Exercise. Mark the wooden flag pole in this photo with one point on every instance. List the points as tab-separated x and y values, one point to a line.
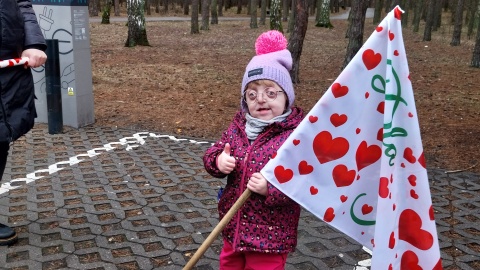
216	231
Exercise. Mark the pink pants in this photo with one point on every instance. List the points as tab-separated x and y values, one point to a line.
231	260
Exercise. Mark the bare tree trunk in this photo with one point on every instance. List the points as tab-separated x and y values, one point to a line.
116	5
427	35
194	22
406	7
220	8
148	7
394	3
186	7
253	14
437	15
476	50
312	5
336	5
388	3
457	30
295	42
319	9
107	6
263	11
137	33
324	15
472	11
205	15
285	10
214	11
292	17
93	7
417	15
239	7
157	6
276	16
378	11
356	26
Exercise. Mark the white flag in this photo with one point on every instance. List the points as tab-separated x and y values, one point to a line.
356	161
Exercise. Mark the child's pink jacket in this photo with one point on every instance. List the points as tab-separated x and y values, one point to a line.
265	223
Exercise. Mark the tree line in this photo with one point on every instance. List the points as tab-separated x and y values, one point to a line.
464	16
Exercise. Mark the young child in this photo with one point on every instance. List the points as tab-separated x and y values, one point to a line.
264	230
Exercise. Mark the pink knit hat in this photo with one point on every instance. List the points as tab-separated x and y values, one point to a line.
272	62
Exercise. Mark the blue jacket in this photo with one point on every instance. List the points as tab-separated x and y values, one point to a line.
19	30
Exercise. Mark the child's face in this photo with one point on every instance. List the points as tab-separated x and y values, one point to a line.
265	99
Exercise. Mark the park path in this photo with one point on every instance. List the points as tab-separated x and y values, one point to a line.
341	16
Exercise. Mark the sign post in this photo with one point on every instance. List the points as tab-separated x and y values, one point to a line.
67	21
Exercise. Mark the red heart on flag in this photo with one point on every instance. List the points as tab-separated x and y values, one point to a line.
391	35
313	190
397	13
438	266
413	194
421	160
409	261
383	190
296	142
329	214
312	119
338	119
396	53
410	230
381	107
343	198
379	29
327	149
283	175
408	155
430	213
304	168
367	209
367	155
413	180
380	135
391	243
342	176
338	90
371	59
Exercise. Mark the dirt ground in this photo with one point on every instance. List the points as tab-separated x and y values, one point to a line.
189	85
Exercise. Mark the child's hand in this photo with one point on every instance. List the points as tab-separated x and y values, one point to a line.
258	184
225	162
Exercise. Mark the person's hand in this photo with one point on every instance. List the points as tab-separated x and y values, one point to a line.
36	57
258	184
225	162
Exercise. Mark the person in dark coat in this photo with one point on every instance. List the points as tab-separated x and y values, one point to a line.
20	36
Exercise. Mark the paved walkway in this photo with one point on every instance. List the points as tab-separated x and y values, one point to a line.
343	15
105	198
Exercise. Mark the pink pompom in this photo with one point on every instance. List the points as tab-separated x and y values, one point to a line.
270	41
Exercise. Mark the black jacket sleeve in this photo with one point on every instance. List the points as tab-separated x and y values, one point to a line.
33	34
